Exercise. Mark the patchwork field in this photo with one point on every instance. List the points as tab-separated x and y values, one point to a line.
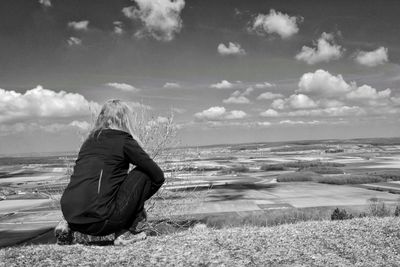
236	179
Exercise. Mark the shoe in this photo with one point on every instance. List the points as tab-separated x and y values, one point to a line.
129	238
63	233
140	223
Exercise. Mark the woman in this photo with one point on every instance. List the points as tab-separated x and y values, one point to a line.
102	197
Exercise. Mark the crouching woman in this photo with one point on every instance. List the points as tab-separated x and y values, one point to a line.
102	197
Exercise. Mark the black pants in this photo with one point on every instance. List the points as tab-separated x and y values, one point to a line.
132	194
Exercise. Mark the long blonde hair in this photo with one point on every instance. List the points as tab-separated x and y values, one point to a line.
115	114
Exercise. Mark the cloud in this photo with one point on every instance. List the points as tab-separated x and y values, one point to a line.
325	51
395	100
278	104
231	49
236	100
79	25
296	101
290	122
275	22
334	97
367	92
29	127
118	27
264	85
42	103
123	87
330	103
300	101
213	113
219	113
178	110
269	113
323	83
171	85
72	41
138	105
81	125
238	97
330	112
45	3
157	121
236	114
373	58
263	123
269	95
224	84
160	18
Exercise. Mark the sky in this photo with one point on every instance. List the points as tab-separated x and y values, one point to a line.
231	71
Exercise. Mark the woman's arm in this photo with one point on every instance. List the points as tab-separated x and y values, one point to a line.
137	156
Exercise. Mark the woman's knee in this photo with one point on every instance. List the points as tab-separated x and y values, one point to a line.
140	176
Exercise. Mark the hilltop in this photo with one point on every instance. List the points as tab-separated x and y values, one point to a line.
357	242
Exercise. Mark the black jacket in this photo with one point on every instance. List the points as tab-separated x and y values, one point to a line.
101	167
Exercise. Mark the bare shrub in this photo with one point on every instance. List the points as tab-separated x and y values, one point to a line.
378	208
340	214
159	138
391	175
350	179
323	170
311	163
272	167
397	211
297	177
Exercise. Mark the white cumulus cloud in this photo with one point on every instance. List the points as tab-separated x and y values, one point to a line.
373	58
160	18
72	41
236	100
290	122
45	3
367	92
231	49
275	22
118	27
300	101
264	85
213	113
324	83
326	50
171	85
224	84
123	87
81	125
269	95
296	101
330	112
236	114
219	113
42	103
238	97
269	113
79	25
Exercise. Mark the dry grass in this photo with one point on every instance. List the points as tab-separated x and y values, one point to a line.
356	242
269	218
350	179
